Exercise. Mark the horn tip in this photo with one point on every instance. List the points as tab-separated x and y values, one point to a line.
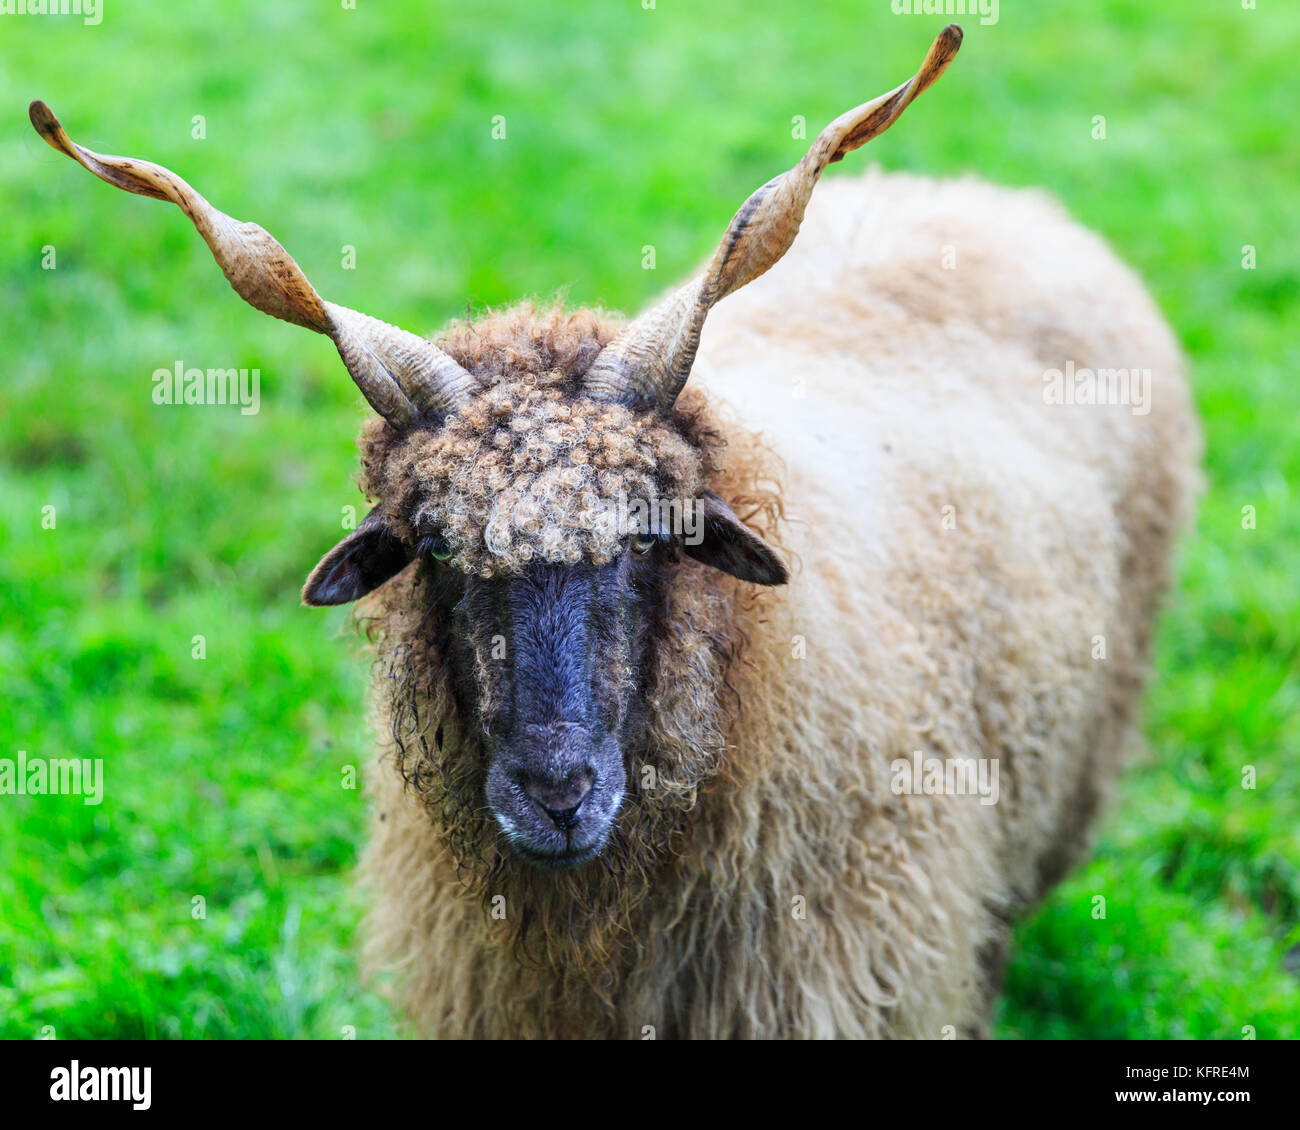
42	117
47	125
949	40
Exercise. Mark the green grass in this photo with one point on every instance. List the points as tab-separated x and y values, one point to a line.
624	127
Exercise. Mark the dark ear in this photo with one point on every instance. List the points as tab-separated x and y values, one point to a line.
728	544
362	561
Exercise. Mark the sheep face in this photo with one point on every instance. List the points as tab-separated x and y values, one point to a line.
546	665
538	531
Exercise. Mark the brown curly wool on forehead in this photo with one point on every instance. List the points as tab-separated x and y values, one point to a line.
531	469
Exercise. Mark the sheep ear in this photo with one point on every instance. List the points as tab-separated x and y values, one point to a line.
360	563
726	543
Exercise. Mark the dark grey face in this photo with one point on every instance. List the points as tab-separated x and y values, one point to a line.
554	662
550	667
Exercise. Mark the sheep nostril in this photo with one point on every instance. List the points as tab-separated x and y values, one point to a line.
564	820
561	804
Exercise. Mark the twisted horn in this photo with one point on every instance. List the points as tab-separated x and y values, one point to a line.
405	378
648	363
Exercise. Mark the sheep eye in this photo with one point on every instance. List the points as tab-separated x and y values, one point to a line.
643	543
435	546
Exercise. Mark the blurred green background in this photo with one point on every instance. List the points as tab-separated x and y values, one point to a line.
372	128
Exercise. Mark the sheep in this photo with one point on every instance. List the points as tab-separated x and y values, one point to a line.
666	775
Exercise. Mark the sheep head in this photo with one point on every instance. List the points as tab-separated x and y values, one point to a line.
547	494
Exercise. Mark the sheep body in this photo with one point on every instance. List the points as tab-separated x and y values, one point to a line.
964	549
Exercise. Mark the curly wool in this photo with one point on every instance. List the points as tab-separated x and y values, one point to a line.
532	470
576	925
527	474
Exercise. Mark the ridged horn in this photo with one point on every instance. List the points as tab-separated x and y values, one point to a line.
406	379
649	362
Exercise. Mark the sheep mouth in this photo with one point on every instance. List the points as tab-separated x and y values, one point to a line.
555	807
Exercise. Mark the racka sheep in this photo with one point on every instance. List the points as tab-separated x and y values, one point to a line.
637	778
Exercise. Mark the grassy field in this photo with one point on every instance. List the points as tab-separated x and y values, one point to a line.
373	129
